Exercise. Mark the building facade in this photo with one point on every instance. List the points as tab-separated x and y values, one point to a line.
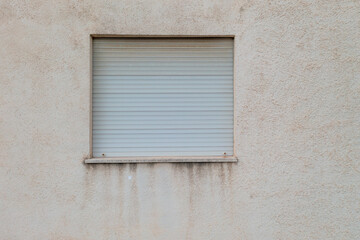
296	125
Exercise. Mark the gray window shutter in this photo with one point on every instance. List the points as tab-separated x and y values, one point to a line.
162	97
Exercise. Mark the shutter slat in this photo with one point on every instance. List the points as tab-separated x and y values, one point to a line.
157	126
161	108
108	70
163	140
143	153
221	149
161	136
161	113
101	85
156	50
136	118
163	88
167	78
183	63
116	145
162	97
163	43
158	131
160	122
163	104
161	100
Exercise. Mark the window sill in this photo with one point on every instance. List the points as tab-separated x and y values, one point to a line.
162	160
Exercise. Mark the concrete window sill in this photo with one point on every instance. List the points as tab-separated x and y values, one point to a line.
162	160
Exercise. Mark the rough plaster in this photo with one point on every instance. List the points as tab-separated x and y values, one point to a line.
297	125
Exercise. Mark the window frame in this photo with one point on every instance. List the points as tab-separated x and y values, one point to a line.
160	159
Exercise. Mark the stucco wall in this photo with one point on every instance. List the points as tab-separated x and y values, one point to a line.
297	129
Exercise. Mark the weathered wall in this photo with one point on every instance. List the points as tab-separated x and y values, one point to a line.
297	129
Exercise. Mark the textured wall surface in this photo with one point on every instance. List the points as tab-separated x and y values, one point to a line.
297	125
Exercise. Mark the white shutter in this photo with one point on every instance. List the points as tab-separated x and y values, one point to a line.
162	97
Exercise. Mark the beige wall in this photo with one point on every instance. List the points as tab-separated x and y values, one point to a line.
297	129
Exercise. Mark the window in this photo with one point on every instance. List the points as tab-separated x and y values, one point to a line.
162	97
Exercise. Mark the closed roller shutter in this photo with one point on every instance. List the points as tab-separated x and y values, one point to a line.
162	97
